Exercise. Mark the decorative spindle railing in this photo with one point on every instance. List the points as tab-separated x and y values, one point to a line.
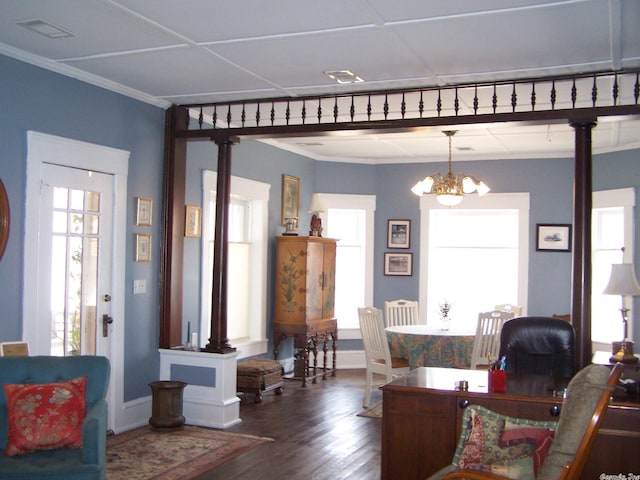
610	93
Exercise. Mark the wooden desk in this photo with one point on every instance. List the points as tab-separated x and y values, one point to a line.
426	346
422	415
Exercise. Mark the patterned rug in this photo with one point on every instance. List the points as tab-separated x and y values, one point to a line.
182	454
372	412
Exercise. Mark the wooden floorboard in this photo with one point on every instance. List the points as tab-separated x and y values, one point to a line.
317	433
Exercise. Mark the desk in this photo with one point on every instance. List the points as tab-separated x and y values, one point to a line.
426	346
422	416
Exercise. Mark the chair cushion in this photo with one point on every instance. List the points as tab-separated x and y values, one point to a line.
511	447
45	416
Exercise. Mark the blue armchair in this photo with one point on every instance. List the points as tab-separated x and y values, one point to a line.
87	462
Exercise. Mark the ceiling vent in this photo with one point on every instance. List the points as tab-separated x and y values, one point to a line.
344	76
45	28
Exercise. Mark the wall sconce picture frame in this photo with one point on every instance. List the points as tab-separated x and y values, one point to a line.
398	233
399	264
143	247
192	221
143	212
553	237
290	198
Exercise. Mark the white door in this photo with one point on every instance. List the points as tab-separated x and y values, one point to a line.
74	254
76	218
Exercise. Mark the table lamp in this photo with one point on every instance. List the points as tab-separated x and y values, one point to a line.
316	207
623	282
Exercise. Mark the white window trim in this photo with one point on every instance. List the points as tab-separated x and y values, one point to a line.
489	201
254	191
367	203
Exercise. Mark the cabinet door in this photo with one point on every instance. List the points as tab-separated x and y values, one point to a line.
291	267
329	280
315	281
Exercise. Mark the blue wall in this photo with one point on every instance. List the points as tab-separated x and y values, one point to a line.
36	99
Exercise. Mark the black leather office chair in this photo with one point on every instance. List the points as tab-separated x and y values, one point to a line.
538	345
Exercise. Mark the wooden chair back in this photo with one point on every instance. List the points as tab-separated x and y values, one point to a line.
401	312
487	342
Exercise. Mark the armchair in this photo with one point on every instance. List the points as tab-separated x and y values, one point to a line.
87	462
588	396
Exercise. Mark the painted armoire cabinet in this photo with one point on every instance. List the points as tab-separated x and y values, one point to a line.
304	301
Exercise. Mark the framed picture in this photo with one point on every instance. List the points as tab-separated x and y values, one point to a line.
553	237
143	247
398	263
192	221
143	212
398	233
290	198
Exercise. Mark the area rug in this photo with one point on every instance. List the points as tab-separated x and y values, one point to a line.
181	454
372	412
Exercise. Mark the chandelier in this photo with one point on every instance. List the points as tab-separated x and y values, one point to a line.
450	188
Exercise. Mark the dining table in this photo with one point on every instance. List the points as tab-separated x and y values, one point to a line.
431	346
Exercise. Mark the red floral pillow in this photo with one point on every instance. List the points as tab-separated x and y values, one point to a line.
507	446
45	416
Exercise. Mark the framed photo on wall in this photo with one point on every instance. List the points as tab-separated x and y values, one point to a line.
192	221
290	198
143	212
553	237
398	263
398	233
143	247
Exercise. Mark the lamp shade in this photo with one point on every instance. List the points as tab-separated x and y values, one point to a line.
316	204
623	280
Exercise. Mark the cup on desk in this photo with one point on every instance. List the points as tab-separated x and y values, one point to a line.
497	380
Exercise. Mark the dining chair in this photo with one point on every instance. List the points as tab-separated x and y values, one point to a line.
507	307
401	312
486	345
376	350
586	403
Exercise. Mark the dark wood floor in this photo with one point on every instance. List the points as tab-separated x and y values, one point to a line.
316	431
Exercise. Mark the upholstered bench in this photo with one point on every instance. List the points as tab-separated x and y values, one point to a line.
259	375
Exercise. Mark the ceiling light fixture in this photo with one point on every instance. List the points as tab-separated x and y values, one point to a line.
344	76
450	188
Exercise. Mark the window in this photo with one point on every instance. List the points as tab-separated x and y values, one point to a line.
474	256
246	287
612	229
349	218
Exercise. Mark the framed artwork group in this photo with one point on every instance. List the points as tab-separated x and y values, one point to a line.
398	236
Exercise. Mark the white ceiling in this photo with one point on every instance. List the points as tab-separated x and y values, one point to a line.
191	51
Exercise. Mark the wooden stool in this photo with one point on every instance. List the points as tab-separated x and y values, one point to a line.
259	375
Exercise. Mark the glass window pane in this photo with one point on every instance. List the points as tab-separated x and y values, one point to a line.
59	222
92	202
91	223
463	247
77	223
349	226
60	197
77	200
239	293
